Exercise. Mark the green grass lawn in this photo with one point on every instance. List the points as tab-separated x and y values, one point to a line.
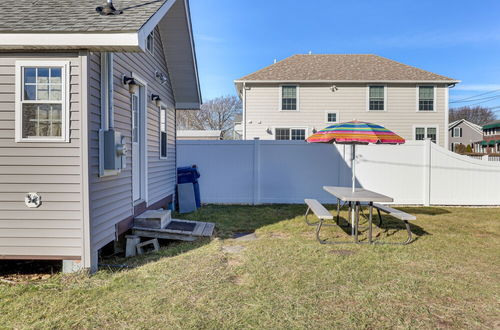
448	278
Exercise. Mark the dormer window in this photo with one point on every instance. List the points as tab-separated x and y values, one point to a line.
150	42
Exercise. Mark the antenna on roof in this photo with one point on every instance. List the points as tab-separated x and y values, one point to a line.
108	9
274	61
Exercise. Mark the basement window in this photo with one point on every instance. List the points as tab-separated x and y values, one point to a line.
42	107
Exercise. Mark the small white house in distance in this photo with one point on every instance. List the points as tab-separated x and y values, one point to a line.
199	135
87	121
296	97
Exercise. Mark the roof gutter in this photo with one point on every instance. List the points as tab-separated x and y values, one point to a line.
351	81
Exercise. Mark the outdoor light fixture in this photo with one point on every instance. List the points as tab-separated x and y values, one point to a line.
334	88
269	131
161	77
315	130
132	84
156	98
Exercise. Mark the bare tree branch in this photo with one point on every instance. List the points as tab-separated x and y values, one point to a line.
215	114
477	115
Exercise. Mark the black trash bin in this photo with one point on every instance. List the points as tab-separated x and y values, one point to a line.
190	174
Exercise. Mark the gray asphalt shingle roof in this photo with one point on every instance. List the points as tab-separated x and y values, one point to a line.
338	67
72	16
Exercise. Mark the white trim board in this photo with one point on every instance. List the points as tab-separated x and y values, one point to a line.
129	41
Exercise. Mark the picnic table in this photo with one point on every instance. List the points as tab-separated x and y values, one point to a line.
354	200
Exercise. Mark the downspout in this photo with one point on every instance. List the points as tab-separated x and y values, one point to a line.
447	116
108	91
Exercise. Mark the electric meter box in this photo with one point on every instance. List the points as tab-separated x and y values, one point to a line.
115	151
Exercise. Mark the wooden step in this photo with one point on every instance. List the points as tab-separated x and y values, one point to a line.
156	219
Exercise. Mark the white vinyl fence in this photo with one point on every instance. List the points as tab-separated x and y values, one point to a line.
418	172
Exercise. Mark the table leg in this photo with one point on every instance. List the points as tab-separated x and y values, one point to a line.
338	212
356	222
370	223
349	218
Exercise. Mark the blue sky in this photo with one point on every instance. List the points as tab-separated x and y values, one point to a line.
459	39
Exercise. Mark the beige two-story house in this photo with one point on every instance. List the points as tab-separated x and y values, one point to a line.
295	97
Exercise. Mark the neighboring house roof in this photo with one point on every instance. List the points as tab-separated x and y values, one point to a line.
492	124
475	127
50	16
199	133
342	67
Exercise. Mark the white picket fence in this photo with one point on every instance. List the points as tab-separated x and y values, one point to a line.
418	172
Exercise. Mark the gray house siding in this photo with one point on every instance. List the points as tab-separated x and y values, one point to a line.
469	136
54	230
111	197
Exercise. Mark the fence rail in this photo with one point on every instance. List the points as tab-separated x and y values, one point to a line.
418	172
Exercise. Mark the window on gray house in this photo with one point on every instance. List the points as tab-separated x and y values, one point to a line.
288	97
457	132
42	102
163	132
426	98
150	42
376	98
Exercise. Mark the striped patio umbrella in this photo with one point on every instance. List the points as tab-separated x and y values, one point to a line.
355	132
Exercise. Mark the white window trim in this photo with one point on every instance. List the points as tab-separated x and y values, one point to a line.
306	130
426	126
368	97
454	134
65	74
152	33
326	117
164	106
281	97
418	98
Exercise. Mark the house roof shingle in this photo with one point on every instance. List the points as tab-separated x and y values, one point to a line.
73	16
342	67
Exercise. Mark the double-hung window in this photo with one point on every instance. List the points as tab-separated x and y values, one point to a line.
41	101
422	133
290	134
426	98
163	132
376	100
289	97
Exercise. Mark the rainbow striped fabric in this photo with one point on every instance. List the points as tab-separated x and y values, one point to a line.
356	132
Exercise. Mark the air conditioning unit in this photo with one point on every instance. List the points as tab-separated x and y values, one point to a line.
115	151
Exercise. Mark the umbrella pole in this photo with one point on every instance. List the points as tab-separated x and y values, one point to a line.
353	169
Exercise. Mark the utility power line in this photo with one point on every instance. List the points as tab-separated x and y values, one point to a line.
487	98
473	96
